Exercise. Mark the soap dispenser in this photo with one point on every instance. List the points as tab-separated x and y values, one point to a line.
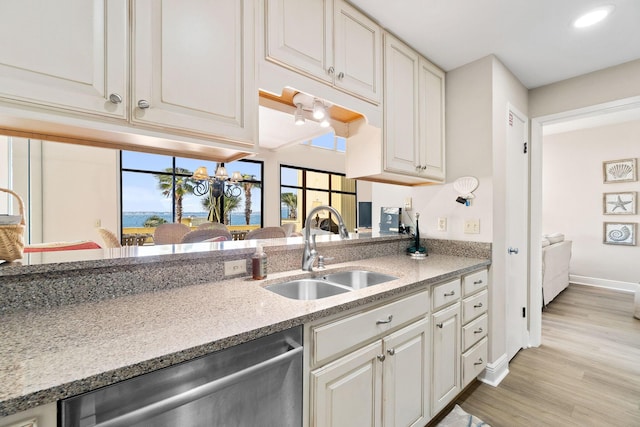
259	263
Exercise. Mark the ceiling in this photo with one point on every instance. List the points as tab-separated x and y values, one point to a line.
533	38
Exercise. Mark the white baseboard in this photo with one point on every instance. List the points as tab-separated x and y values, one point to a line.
603	283
495	372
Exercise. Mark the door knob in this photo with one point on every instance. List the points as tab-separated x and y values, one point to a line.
512	251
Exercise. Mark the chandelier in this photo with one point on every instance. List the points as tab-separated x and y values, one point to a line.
216	185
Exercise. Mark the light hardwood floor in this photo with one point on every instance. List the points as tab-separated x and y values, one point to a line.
585	373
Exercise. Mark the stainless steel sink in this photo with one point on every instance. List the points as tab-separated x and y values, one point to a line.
358	279
307	289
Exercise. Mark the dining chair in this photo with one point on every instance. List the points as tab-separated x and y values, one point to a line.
169	233
266	233
205	234
109	238
212	225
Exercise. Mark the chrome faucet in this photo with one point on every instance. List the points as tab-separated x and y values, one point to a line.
310	253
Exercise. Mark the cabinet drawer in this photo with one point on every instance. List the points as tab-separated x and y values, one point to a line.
475	281
446	293
474	331
474	361
474	306
335	337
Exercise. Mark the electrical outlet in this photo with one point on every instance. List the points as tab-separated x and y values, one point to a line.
97	223
442	224
472	226
232	268
408	204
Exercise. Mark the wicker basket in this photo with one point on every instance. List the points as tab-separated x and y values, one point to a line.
12	235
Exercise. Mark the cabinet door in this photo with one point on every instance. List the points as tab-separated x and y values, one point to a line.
194	67
400	106
348	392
358	50
406	376
431	119
446	356
68	54
299	35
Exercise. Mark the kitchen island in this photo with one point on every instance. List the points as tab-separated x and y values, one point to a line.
51	353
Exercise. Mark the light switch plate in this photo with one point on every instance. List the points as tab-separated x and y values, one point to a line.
233	268
472	226
442	224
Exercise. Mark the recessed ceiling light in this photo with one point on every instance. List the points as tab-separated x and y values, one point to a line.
593	17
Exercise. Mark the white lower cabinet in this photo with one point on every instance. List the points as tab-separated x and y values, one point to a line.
395	364
445	380
388	376
348	392
381	378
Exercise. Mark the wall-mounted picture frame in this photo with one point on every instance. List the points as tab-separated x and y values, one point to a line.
623	203
623	170
619	233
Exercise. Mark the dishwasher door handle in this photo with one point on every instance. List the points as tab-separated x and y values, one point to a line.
178	400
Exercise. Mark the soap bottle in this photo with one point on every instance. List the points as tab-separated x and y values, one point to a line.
259	264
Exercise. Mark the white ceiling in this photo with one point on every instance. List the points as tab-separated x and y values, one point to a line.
533	38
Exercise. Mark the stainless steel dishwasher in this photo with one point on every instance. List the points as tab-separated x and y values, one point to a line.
258	383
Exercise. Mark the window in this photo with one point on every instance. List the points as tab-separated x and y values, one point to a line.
156	189
303	189
328	141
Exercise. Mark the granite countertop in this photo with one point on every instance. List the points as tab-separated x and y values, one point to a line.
50	354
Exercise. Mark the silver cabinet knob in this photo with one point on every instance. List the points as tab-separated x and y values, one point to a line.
440	325
331	70
143	104
381	357
391	351
512	251
340	75
114	98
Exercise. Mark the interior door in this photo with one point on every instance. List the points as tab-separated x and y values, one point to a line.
517	227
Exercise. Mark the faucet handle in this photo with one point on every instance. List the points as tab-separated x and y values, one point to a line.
321	260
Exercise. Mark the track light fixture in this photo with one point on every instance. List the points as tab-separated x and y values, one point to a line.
318	108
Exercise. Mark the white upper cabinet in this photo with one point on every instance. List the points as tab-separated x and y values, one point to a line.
328	40
67	54
431	121
193	67
401	133
413	113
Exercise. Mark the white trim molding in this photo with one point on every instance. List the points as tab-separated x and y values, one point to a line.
604	283
495	372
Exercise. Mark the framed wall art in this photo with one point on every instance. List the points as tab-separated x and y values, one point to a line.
619	203
619	171
619	233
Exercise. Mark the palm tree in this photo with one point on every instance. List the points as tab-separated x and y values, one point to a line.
291	200
183	185
247	186
154	221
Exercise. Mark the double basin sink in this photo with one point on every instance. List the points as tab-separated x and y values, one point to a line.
329	284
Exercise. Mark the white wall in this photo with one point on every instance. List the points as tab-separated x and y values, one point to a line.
76	174
599	87
572	188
